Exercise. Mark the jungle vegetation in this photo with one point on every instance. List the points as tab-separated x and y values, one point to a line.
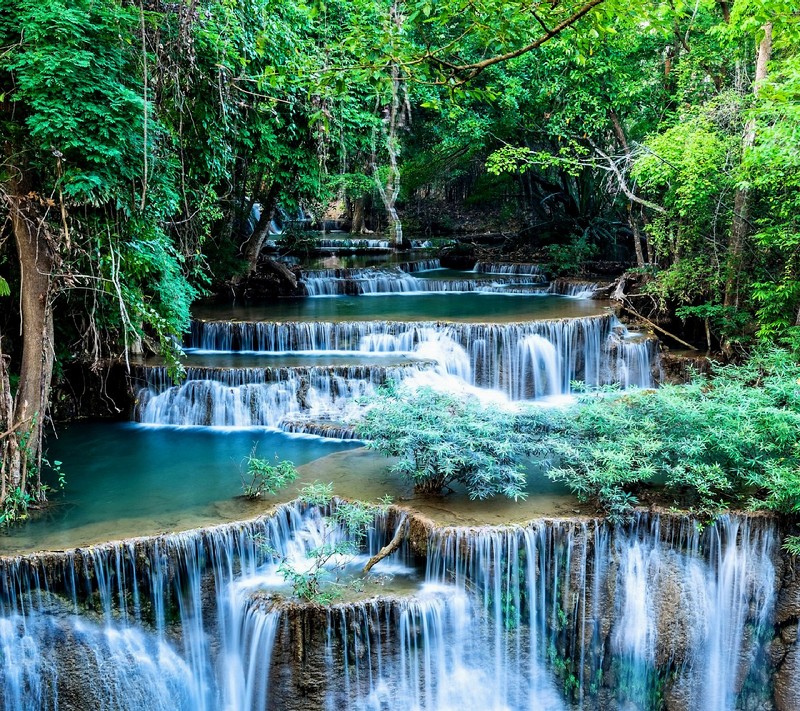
137	138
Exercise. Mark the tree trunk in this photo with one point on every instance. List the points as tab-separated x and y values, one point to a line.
252	248
394	120
357	224
741	200
637	237
22	445
431	485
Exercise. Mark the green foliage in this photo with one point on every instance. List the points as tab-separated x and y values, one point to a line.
725	441
726	322
569	258
16	506
316	494
264	477
297	241
442	439
321	581
791	545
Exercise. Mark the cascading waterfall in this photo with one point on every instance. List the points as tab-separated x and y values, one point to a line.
499	355
575	289
567	614
547	615
508	268
400	280
633	359
348	244
521	360
129	625
289	398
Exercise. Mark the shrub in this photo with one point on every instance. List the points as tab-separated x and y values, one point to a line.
726	440
320	580
442	439
266	478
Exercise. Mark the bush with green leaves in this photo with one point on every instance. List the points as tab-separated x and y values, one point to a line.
443	439
321	581
264	477
728	440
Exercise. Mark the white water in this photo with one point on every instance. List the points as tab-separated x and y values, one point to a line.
496	362
278	398
399	279
507	618
525	618
128	654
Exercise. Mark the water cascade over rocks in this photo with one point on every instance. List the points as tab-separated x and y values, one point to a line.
520	360
556	614
400	279
561	614
498	353
288	398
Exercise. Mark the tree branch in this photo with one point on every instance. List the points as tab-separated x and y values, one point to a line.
621	180
388	549
476	68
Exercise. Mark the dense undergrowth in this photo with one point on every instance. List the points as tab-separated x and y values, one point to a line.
729	439
725	440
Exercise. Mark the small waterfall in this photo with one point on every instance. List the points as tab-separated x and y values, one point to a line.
633	359
420	265
399	280
296	399
574	289
539	365
352	244
336	282
508	268
681	606
497	357
426	652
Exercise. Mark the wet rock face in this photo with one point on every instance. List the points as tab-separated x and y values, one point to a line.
785	648
299	677
785	681
679	368
674	627
317	648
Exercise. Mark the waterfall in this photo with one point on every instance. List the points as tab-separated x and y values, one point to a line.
575	289
508	268
352	244
521	361
546	615
176	622
288	398
558	613
632	358
421	265
399	279
497	357
539	364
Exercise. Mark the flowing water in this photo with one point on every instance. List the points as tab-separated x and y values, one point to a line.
555	612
